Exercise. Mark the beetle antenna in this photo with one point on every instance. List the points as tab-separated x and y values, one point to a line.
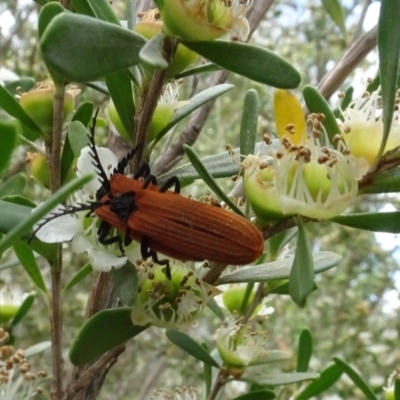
120	169
105	182
70	210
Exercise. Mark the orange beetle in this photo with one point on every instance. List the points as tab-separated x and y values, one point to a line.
166	222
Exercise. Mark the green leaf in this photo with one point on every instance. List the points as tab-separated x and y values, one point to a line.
271	356
280	379
83	49
397	389
152	52
11	106
209	67
8	140
24	84
328	377
253	62
83	7
304	352
104	11
209	180
126	283
376	222
20	226
82	273
355	377
77	137
216	309
13	185
47	13
257	395
28	261
317	104
249	122
83	114
389	58
278	242
195	102
24	308
301	280
207	373
335	11
186	343
102	332
37	348
120	88
322	261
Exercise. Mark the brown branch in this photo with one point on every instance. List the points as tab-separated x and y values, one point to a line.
349	60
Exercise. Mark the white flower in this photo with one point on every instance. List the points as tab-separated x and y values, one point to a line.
81	230
170	303
362	128
238	345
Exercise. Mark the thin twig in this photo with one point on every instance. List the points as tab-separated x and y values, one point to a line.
349	60
109	358
358	29
53	152
218	384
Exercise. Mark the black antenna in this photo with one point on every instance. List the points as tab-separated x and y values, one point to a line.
120	169
105	183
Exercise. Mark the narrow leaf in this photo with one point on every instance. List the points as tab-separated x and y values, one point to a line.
210	67
376	222
335	11
8	140
278	269
207	374
209	180
397	389
152	52
83	49
257	395
28	261
216	309
104	11
304	352
301	280
102	332
248	125
15	185
47	13
317	104
186	343
280	379
195	102
120	88
83	114
389	58
11	106
83	7
37	348
253	62
355	377
126	283
77	137
82	273
328	377
24	308
25	224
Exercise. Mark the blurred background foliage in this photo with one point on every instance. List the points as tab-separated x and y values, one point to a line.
355	311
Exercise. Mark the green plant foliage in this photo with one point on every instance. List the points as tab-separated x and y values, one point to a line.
82	49
252	62
8	140
304	351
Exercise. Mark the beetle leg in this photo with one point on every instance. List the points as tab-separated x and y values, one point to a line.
143	171
147	252
103	231
173	181
150	179
128	239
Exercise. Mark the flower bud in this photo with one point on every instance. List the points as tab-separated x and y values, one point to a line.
150	26
38	104
205	19
39	168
